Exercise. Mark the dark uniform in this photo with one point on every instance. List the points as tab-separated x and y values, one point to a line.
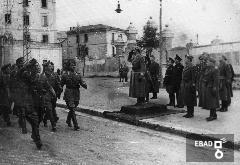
72	80
47	94
137	88
224	85
169	83
200	86
27	77
211	94
178	69
154	73
188	88
5	93
232	79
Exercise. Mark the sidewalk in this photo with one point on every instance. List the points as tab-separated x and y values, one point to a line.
110	95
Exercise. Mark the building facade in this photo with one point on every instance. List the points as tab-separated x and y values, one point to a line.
39	16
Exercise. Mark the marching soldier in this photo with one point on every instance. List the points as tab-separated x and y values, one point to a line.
73	81
169	81
27	76
210	81
188	87
224	84
200	69
138	84
154	73
47	94
5	93
178	69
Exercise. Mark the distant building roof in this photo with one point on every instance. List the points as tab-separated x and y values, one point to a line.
93	28
224	43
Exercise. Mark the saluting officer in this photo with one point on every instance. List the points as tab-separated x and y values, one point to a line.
138	83
188	87
73	81
5	93
169	81
211	83
178	69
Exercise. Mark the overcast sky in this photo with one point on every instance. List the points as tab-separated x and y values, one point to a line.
208	18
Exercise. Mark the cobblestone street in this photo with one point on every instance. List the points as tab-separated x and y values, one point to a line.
99	141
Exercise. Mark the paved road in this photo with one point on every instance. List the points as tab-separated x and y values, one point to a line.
99	141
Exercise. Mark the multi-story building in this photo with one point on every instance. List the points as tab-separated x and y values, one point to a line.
41	18
35	19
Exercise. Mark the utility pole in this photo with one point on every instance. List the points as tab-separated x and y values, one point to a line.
160	45
26	34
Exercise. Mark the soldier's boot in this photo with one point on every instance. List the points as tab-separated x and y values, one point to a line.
52	119
69	117
224	107
154	96
6	116
213	115
190	112
75	123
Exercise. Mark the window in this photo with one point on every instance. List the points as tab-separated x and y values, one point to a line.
8	18
236	58
85	38
44	3
26	20
27	37
45	38
44	21
77	39
113	51
113	37
25	3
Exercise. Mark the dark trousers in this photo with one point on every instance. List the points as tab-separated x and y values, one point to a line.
71	115
213	112
225	104
190	110
179	97
22	119
49	115
5	113
54	105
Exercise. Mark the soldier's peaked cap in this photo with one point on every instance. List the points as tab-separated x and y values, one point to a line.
178	58
171	59
20	61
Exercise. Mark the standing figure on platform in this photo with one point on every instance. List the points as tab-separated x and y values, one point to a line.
154	73
188	87
169	81
200	70
210	79
178	69
73	81
137	87
5	97
225	77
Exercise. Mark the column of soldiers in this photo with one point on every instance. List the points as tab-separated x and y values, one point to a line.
32	95
210	82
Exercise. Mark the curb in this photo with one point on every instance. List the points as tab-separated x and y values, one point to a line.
156	127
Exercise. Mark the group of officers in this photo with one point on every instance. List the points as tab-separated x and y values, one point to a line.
210	81
31	94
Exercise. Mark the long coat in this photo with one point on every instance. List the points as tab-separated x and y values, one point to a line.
169	79
137	86
154	74
224	82
188	91
178	70
211	92
200	84
232	78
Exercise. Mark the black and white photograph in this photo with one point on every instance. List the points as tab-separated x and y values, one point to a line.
119	82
